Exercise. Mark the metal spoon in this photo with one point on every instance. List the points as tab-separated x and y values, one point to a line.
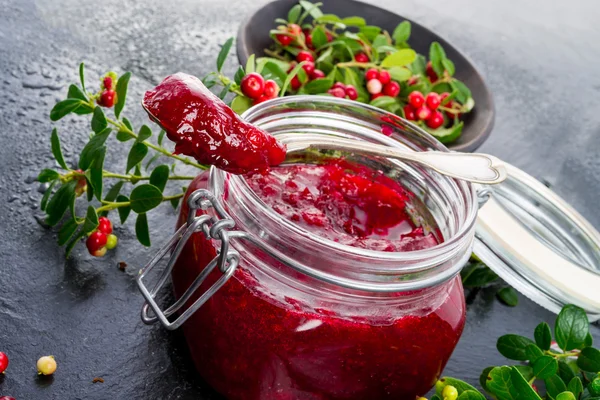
471	167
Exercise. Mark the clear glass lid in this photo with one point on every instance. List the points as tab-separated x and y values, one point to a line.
539	244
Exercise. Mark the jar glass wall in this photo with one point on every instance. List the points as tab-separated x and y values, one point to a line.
338	322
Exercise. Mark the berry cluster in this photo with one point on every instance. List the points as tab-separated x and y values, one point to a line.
309	67
254	86
344	91
380	83
108	96
102	239
425	108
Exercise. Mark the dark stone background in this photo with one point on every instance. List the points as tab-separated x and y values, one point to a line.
540	59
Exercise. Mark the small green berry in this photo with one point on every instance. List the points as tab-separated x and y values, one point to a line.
46	365
450	393
111	241
594	387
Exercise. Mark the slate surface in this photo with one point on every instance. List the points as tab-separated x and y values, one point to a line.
541	63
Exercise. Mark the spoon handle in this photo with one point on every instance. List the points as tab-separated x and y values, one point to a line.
471	167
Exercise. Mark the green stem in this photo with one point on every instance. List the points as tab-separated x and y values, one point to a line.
175	196
111	205
274	54
122	127
233	88
563	355
356	64
108	174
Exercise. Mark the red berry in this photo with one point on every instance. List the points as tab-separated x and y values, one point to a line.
7	398
317	74
443	96
337	92
329	36
416	99
104	225
261	99
294	29
409	113
253	85
433	100
340	85
351	92
285	40
374	86
107	98
3	362
305	56
435	120
384	76
423	113
271	89
295	83
308	39
361	58
107	82
96	242
430	72
374	96
391	89
309	67
371	73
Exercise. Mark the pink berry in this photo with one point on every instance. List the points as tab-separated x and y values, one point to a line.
433	100
361	58
107	82
340	85
253	85
351	92
374	86
384	76
317	74
409	113
391	89
305	56
416	99
337	92
423	113
294	29
371	73
309	67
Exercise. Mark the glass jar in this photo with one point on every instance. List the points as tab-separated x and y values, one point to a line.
304	317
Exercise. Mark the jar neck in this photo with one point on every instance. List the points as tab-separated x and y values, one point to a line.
296	254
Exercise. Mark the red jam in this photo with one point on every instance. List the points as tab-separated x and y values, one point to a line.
202	126
250	341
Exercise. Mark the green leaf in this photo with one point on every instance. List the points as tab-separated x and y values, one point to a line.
250	64
418	66
210	80
91	149
96	172
380	40
460	386
124	135
141	229
74	240
402	32
175	203
66	231
63	108
136	155
317	86
114	191
121	89
369	31
239	75
499	383
329	18
436	56
565	371
91	220
224	92
319	37
545	366
447	135
262	61
565	396
533	352
123	211
471	395
543	336
513	347
571	327
589	340
483	378
400	74
576	387
589	359
224	53
90	187
145	197
294	14
526	371
464	93
272	70
399	59
58	204
46	196
48	175
56	149
312	9
160	176
555	385
477	274
435	397
522	388
383	102
81	76
144	133
98	120
354	21
76	93
240	104
290	76
161	136
508	296
448	66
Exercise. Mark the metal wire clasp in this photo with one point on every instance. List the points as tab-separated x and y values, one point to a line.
226	260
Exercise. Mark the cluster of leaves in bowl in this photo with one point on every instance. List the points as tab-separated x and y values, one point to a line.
565	369
381	69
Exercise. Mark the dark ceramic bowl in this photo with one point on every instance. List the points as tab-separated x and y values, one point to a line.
253	38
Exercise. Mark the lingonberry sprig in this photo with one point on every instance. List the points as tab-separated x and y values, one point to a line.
90	177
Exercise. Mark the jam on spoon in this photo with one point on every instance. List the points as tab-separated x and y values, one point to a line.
204	127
